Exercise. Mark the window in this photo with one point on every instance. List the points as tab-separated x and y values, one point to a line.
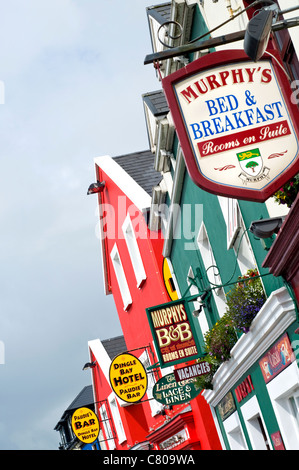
231	214
134	252
212	271
121	278
255	425
284	394
154	405
234	432
107	427
236	238
117	420
152	127
202	319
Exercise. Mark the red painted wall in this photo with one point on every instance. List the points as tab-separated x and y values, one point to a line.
137	419
134	322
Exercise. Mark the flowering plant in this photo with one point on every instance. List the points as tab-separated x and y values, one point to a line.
220	339
205	381
245	300
288	193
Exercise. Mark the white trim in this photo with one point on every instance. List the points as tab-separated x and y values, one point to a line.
101	356
276	315
209	261
234	432
117	418
251	411
121	277
134	251
139	197
280	390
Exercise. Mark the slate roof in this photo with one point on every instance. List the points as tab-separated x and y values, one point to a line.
156	102
140	166
160	12
115	346
84	398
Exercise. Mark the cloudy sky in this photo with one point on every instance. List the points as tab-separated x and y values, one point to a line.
73	75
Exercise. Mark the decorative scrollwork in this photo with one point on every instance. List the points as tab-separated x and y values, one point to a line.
167	27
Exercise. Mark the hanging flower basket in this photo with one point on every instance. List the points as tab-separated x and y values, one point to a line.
220	339
288	193
245	300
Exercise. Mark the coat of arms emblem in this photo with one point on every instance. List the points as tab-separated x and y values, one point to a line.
251	163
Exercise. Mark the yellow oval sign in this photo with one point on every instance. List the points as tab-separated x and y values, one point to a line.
128	378
85	425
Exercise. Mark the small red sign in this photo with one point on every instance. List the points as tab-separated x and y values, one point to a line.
225	106
277	441
277	358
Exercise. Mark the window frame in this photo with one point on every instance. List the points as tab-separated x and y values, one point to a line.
134	251
121	277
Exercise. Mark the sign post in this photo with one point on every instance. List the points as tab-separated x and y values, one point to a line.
236	122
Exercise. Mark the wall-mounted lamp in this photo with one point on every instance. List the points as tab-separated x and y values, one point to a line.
202	304
257	34
89	365
97	187
265	228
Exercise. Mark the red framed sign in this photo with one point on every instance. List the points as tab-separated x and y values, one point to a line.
236	123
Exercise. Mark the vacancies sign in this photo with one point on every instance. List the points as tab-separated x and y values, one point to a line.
236	123
173	333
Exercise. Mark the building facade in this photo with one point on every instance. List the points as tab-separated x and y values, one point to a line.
253	393
138	277
165	239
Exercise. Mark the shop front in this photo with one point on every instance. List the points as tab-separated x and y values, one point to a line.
176	433
255	396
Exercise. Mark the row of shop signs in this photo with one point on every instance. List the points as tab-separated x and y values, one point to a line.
175	341
128	379
173	333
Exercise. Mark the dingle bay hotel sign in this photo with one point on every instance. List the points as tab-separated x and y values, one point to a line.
173	333
236	122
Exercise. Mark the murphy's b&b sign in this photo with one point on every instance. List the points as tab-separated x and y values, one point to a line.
236	123
173	333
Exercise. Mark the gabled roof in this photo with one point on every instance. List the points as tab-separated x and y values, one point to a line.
115	346
140	166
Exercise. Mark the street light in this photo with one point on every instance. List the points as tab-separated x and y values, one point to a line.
202	304
89	365
97	187
265	228
257	34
